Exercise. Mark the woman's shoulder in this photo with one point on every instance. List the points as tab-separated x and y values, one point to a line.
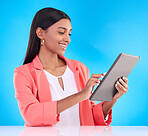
23	68
79	63
82	67
23	73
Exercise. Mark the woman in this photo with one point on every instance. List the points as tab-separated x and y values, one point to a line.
52	89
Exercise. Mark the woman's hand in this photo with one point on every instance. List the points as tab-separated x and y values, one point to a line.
94	80
122	87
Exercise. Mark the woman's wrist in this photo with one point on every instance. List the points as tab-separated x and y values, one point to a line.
114	99
107	106
81	96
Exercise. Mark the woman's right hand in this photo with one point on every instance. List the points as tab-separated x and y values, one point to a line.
94	80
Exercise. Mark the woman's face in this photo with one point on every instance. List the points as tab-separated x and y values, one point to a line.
57	37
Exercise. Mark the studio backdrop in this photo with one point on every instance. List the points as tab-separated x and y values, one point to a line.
101	30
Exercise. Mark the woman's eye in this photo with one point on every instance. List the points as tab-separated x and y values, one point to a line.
61	32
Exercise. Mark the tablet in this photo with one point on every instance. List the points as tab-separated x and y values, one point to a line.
122	66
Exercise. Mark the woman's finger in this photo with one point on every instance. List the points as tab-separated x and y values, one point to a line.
103	74
122	82
121	87
96	76
93	80
125	79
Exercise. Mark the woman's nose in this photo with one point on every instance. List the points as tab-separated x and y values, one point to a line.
67	38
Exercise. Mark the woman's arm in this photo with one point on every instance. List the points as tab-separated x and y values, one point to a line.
69	102
34	112
107	106
122	87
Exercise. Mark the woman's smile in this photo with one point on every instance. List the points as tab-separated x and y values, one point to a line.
63	46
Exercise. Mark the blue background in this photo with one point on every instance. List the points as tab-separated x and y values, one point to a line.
101	30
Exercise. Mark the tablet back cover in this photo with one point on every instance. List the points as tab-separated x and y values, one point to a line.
122	66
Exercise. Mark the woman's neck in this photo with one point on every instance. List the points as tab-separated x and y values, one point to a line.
50	61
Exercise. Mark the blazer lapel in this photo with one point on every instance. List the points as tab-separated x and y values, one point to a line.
44	94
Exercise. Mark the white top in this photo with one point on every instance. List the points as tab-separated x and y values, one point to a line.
69	117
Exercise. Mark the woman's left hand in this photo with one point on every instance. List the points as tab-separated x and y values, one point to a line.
122	87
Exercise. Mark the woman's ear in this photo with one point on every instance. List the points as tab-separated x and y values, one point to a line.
40	33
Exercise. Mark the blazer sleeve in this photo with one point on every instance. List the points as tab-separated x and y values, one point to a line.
97	111
34	113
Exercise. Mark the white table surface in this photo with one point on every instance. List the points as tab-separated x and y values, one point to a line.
74	131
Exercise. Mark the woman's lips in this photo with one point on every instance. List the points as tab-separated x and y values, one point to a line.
63	46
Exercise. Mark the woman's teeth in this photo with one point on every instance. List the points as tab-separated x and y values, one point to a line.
62	45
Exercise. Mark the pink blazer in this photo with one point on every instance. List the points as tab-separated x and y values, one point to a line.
32	92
